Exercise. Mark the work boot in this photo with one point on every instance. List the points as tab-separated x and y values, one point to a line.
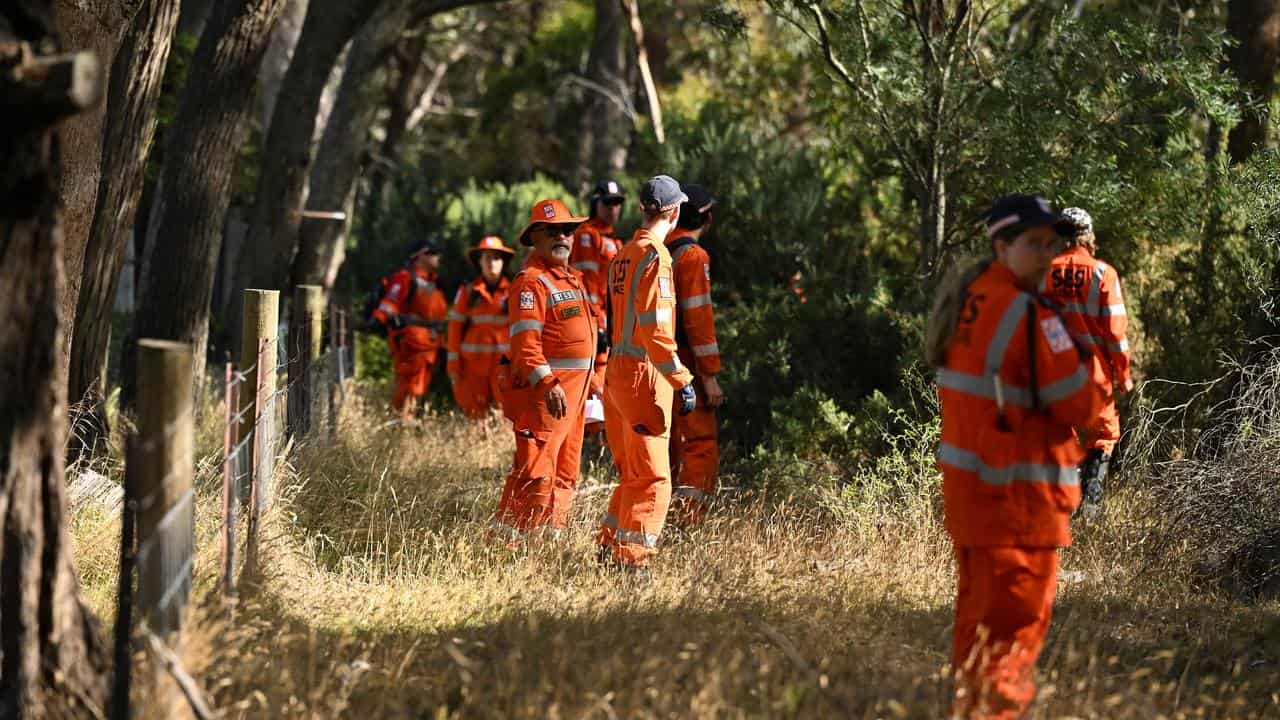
1093	474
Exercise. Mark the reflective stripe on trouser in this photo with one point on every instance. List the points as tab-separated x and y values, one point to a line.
695	457
638	507
477	389
539	491
1004	602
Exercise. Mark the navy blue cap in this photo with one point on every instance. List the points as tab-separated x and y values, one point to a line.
1025	211
606	189
423	246
661	193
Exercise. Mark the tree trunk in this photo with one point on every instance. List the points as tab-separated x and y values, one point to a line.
185	232
605	128
289	150
321	242
1255	25
96	26
275	63
134	93
52	661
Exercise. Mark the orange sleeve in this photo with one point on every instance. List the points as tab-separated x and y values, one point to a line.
697	314
1066	381
654	306
453	341
1115	323
526	312
397	293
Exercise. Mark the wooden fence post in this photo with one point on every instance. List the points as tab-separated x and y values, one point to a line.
261	309
230	493
160	467
305	336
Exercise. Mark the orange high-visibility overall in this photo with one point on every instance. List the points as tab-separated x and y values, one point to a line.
553	342
695	449
414	350
477	341
594	247
644	373
1010	482
1087	291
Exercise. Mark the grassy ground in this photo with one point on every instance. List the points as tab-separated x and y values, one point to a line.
383	597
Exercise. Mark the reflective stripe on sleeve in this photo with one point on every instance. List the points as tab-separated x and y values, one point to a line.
705	350
653	317
695	301
489	319
670	367
1122	346
969	461
387	308
455	316
1064	388
523	325
586	265
1113	311
536	374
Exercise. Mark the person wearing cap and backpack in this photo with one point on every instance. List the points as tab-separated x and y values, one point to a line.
413	310
644	378
594	243
553	335
1087	291
1013	385
477	336
695	453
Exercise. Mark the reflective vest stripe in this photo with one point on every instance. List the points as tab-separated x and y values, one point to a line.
455	316
485	347
387	307
451	355
628	346
489	319
1010	322
587	265
983	387
680	251
1091	306
969	461
705	350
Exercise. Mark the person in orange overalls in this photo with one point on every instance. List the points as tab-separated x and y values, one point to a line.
478	329
413	310
594	244
553	351
1087	292
1013	384
642	380
695	452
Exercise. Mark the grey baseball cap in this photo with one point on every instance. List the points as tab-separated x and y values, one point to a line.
661	193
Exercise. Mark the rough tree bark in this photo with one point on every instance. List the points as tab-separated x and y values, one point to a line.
604	125
288	152
337	166
96	26
1255	24
275	63
185	231
52	661
134	92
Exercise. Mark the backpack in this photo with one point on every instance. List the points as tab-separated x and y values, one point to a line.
373	298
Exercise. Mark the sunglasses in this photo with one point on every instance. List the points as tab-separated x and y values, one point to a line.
612	202
558	230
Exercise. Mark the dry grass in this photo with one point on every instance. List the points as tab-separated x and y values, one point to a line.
383	597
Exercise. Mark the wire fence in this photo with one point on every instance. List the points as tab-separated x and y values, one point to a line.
298	376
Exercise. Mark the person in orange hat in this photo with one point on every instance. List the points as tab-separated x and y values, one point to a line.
477	336
413	310
553	352
695	450
1013	384
642	381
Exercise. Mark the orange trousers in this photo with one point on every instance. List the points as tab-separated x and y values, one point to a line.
544	477
413	373
695	459
1004	601
1107	431
477	390
638	426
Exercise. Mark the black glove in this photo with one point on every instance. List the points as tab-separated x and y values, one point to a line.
688	399
396	322
602	340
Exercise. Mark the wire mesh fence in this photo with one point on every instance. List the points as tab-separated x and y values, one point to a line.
268	407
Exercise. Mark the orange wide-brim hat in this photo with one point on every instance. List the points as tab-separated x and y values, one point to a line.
490	242
548	212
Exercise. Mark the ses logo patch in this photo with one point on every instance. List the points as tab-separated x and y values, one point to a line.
526	300
1056	335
